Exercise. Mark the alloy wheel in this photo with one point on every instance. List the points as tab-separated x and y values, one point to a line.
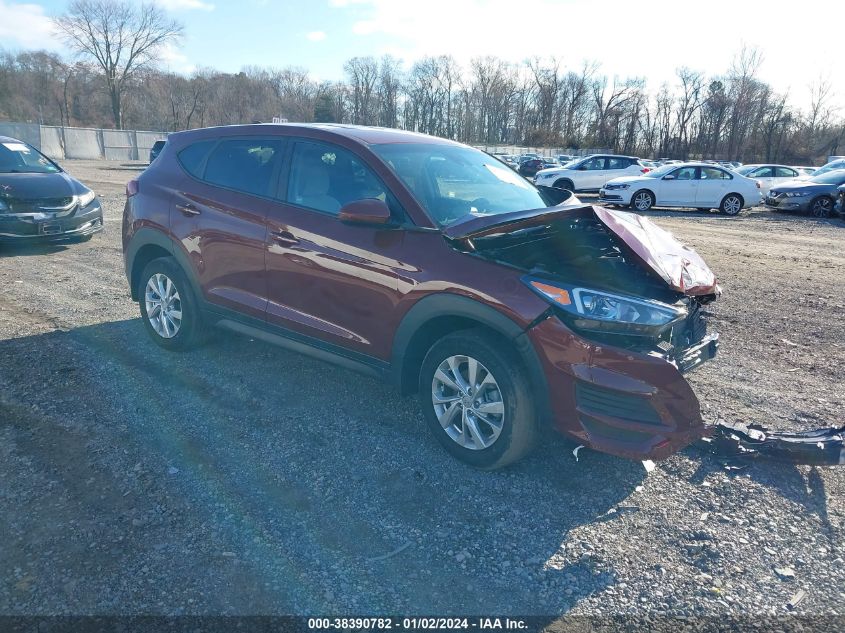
468	402
732	205
642	201
821	207
163	305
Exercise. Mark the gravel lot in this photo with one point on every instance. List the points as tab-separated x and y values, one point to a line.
242	479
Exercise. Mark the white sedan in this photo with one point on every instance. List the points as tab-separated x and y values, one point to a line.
700	185
770	175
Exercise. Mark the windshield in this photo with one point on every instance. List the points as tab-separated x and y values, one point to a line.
20	158
745	169
837	164
661	171
830	178
454	181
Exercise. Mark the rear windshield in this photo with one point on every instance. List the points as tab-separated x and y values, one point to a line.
20	158
452	181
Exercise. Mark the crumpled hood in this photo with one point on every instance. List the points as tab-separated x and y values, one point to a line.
36	186
678	265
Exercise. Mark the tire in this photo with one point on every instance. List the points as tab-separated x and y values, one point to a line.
565	183
642	200
171	333
731	204
821	207
508	400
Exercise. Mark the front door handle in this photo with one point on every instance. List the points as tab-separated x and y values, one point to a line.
187	209
286	238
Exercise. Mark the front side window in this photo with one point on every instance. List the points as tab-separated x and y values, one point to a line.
711	173
246	165
452	181
325	177
593	164
20	158
684	173
763	172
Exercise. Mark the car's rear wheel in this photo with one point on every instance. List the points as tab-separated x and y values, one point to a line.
643	200
731	204
821	207
477	400
565	183
169	310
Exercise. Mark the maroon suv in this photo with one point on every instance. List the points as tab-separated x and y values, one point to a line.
506	306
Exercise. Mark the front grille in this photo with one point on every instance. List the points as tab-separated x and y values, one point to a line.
692	330
38	205
607	402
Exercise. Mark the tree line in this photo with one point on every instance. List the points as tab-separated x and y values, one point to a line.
490	101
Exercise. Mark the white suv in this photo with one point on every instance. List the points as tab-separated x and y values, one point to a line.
591	172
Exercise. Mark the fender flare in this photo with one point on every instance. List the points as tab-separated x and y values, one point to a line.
452	305
147	236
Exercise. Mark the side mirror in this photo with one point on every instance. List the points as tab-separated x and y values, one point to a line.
367	211
669	177
582	168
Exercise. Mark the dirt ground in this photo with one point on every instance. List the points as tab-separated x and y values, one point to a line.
242	479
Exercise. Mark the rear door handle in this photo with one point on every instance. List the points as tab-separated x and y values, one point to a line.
187	209
285	238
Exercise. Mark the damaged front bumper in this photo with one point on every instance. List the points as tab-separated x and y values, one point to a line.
626	403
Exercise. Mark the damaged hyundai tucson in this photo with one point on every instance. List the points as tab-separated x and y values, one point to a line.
507	307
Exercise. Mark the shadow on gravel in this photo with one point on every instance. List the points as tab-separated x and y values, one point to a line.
246	479
25	250
788	480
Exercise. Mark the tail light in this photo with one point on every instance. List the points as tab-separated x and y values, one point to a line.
131	188
645	170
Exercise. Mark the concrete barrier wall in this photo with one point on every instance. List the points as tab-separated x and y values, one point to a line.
27	132
52	142
76	142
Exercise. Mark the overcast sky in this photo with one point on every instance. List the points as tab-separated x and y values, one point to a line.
800	41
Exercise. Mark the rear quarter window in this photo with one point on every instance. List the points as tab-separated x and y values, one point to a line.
192	158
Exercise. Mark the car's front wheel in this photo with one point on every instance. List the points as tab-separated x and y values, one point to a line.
477	400
821	207
564	183
170	313
642	200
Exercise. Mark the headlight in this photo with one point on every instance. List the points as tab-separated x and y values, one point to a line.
86	198
598	310
797	194
612	187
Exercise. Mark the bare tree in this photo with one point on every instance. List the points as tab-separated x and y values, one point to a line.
120	37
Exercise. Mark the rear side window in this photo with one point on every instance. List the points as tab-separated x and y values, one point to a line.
618	163
784	172
246	165
192	158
